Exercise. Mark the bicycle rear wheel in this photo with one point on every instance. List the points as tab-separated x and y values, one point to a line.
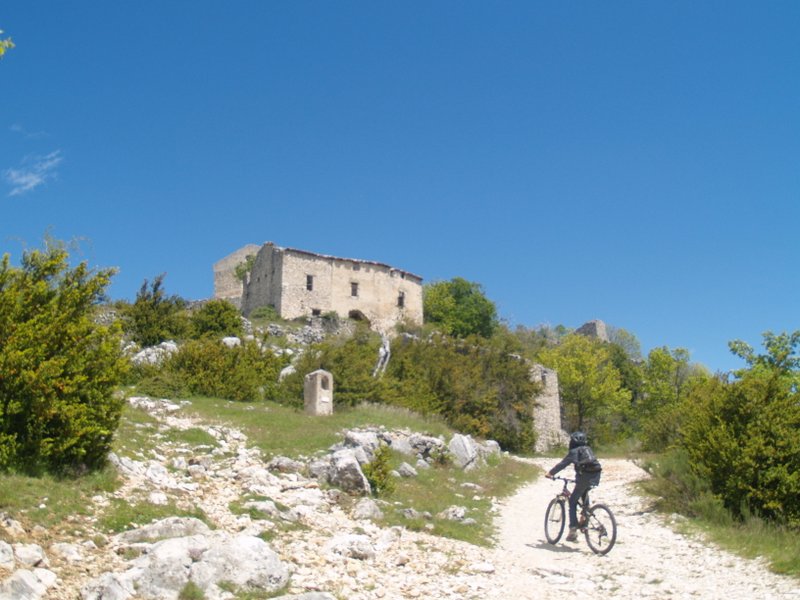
601	529
554	520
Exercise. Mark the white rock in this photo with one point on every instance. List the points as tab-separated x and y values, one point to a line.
30	555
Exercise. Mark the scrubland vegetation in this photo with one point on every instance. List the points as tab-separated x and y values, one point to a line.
724	448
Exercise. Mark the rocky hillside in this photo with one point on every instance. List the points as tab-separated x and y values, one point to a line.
273	528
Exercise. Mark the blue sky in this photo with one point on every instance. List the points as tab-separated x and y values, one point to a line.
636	162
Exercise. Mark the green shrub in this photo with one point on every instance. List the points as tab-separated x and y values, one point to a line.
743	436
350	359
208	367
266	313
478	386
378	472
216	318
58	369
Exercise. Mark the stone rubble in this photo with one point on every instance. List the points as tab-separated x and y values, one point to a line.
325	545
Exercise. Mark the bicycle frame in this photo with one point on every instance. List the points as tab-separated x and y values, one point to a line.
596	522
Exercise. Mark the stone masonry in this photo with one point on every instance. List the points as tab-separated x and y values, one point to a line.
226	285
298	283
547	410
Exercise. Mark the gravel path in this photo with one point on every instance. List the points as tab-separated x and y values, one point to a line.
649	559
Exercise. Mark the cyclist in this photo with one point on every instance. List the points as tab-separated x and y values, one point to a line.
587	475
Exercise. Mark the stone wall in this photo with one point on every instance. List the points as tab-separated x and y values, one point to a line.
226	285
594	329
298	283
547	410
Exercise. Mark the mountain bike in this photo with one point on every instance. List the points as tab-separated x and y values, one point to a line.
596	521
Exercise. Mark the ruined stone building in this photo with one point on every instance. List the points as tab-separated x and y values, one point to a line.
298	283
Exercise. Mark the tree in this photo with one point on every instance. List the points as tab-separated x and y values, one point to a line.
668	377
459	307
154	317
58	368
590	387
627	341
744	436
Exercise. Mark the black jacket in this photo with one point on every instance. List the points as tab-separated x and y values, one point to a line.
582	461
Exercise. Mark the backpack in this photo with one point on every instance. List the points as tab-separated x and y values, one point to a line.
587	461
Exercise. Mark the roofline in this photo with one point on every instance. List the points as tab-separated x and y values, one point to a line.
353	260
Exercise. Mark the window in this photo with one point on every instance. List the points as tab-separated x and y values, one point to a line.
356	267
401	299
309	282
316	312
354	289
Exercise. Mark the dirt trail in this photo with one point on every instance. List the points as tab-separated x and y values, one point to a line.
649	559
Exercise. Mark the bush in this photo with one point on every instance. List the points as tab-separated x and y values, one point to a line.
743	437
379	472
477	385
208	367
58	369
216	318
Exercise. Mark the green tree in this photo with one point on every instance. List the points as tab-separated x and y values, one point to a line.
744	436
627	341
590	386
58	368
154	317
459	307
668	377
216	318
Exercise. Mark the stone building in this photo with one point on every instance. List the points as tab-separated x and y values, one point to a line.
298	283
227	286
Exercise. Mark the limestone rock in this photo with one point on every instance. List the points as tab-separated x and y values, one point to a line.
346	473
367	509
171	527
27	585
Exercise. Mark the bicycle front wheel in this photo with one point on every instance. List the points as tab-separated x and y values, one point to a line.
601	529
554	520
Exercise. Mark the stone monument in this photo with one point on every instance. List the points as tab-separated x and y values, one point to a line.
318	393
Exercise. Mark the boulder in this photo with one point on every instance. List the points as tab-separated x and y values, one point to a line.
6	556
464	451
27	585
231	341
352	546
30	555
346	473
110	586
367	509
155	355
245	561
282	464
406	470
171	527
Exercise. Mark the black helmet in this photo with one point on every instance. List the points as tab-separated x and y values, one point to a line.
578	438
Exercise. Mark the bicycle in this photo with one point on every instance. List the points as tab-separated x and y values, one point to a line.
596	522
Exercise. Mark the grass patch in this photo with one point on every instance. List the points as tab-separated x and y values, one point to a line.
284	431
121	515
137	435
436	489
194	437
64	499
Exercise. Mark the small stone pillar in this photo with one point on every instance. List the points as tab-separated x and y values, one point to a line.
318	393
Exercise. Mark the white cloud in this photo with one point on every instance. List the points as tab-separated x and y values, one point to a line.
31	135
33	172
